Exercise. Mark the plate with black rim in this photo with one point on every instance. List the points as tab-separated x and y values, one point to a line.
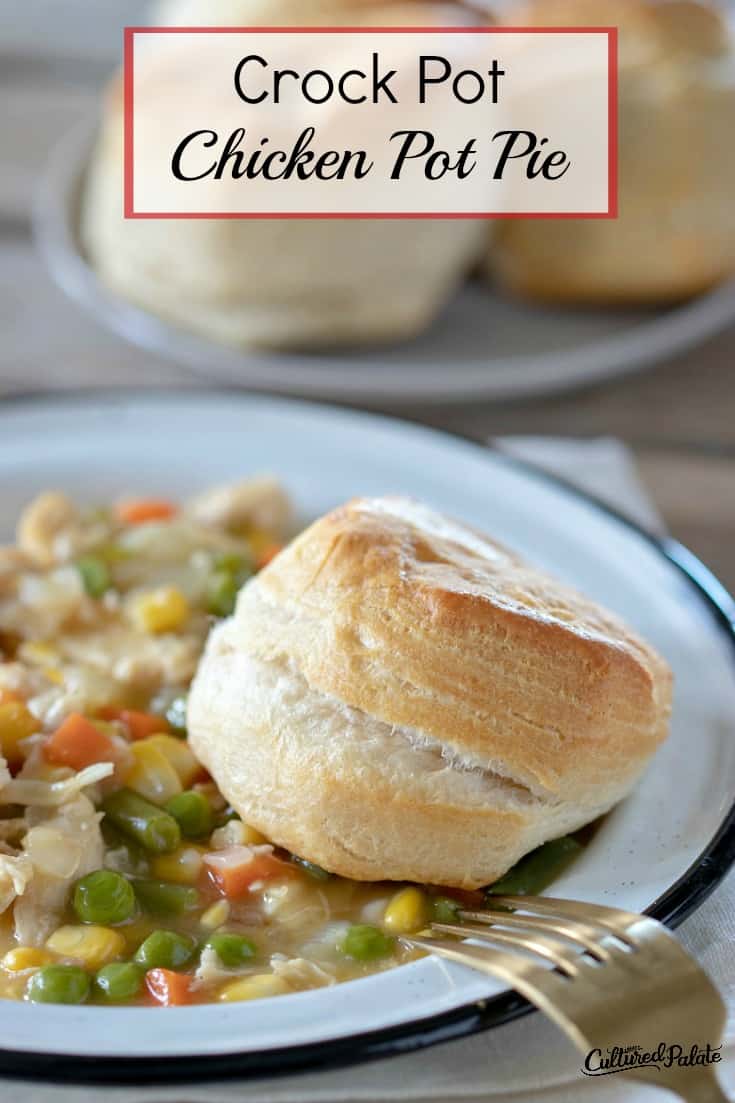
661	851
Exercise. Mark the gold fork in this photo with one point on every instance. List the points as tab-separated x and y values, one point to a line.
618	984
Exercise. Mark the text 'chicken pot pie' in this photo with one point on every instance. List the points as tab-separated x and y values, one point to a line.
399	698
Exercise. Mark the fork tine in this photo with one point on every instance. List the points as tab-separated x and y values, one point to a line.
588	935
562	957
613	920
543	987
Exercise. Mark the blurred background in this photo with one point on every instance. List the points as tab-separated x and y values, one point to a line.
678	414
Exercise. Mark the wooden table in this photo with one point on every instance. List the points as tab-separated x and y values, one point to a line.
679	418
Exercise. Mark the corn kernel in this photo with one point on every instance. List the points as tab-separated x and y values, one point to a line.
163	610
25	957
178	753
236	833
54	675
16	723
407	912
152	775
215	915
92	946
183	867
258	987
40	654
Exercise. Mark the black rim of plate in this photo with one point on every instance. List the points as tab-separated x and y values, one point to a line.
672	908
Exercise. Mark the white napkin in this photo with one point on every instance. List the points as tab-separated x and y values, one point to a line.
528	1061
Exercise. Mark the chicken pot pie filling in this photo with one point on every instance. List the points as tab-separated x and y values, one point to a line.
124	876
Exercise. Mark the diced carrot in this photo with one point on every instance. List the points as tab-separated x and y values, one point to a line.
8	695
169	988
78	743
268	553
139	725
236	868
136	511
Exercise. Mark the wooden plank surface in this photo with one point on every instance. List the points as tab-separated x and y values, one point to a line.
54	60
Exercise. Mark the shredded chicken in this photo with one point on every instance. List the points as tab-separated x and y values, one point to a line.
12	562
46	521
45	794
292	903
16	872
261	503
301	974
211	970
78	849
122	859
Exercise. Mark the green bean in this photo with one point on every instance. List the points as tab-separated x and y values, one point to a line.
314	871
163	898
365	943
231	949
445	910
538	869
59	984
165	950
152	827
95	575
104	897
121	980
193	813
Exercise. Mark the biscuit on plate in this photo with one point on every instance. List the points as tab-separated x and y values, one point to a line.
398	697
272	283
675	234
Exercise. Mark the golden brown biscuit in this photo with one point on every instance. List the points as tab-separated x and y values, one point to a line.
675	235
398	697
273	283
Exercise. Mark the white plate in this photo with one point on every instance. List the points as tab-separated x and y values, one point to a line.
482	346
173	444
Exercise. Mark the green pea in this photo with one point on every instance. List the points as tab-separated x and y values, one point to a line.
231	572
176	715
153	828
165	950
59	984
366	943
103	897
121	980
95	575
222	592
314	871
445	910
193	813
231	949
163	898
537	870
234	563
